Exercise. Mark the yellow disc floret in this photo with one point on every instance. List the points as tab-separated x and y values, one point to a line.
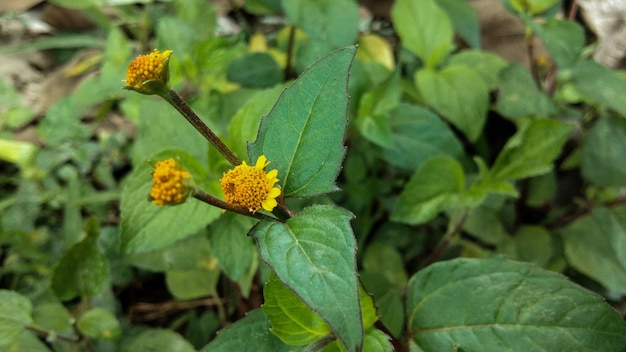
250	187
170	183
149	74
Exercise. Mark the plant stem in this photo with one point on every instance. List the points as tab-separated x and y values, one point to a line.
209	199
46	333
445	241
172	97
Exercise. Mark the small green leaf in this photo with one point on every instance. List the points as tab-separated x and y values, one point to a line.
160	340
600	85
187	254
99	323
385	260
83	269
15	314
389	300
374	341
459	94
335	22
531	151
595	245
26	341
192	284
533	7
255	70
256	329
313	254
603	151
529	244
487	65
518	95
424	29
52	316
231	246
303	135
291	320
500	305
434	187
418	135
563	39
374	107
146	227
464	20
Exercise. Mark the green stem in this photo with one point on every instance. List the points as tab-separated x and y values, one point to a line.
209	199
172	97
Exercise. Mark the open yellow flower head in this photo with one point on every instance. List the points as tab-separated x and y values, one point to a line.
171	183
250	187
149	74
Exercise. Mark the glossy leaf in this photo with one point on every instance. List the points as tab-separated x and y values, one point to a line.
83	270
424	29
15	314
518	96
434	187
303	135
147	227
335	22
500	305
599	85
595	245
99	323
603	151
459	94
532	150
256	329
418	135
313	254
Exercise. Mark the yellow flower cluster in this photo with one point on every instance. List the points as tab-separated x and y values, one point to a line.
169	183
250	187
148	74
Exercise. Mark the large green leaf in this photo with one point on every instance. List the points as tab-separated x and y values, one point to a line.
424	29
83	269
160	340
303	134
255	70
190	253
314	255
531	151
99	323
486	64
563	39
595	245
603	151
518	96
335	22
464	20
231	246
15	314
459	94
418	135
500	305
145	226
600	85
256	329
434	187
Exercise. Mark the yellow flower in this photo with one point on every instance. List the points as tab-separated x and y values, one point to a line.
149	74
250	187
171	183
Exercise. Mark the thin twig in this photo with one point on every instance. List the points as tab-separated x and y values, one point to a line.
209	199
445	241
46	333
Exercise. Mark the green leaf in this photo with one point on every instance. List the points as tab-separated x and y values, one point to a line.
599	85
52	316
291	320
459	94
99	323
231	246
529	244
335	22
434	187
424	29
464	20
374	107
256	70
160	340
26	341
385	260
389	300
603	152
563	39
15	314
187	254
192	284
518	96
417	136
303	134
256	329
145	226
533	7
531	150
487	65
500	305
595	245
374	340
83	270
313	254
